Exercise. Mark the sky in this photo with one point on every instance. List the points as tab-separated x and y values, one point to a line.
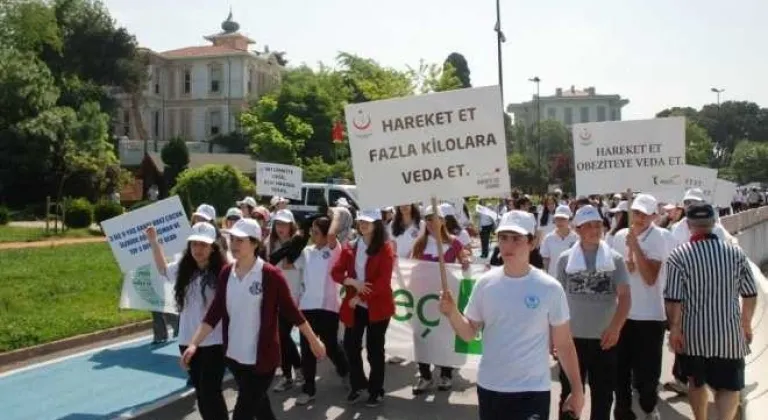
656	53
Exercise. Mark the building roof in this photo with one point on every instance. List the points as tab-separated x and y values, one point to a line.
202	51
243	162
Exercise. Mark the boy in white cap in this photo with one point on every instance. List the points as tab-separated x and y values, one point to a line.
518	308
204	213
559	240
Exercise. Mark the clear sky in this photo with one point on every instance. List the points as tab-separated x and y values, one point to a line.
656	53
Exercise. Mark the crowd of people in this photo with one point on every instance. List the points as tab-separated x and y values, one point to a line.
594	283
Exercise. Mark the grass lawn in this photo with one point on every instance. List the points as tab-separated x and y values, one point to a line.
51	293
31	234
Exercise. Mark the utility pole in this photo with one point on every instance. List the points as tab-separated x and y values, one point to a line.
500	39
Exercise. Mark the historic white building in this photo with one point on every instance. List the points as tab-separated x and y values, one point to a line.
196	92
570	106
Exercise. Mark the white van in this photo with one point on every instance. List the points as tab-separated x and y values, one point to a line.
315	194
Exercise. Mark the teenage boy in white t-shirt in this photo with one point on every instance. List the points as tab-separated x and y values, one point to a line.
517	307
559	240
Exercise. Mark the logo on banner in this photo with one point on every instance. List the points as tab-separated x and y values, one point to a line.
490	180
585	137
666	181
362	124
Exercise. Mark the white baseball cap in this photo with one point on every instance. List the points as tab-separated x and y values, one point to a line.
206	211
645	203
563	212
622	206
517	221
694	194
203	232
430	211
447	209
249	201
586	214
285	216
245	228
370	215
277	200
234	212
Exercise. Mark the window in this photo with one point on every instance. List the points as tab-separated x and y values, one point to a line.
156	124
216	79
600	113
250	80
315	197
187	81
552	113
126	123
584	111
334	195
156	79
568	117
215	117
615	116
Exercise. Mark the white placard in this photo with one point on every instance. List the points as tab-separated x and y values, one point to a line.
614	156
125	233
448	144
703	178
145	289
724	192
277	179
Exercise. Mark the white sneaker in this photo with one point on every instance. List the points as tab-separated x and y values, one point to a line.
304	399
444	384
283	385
422	385
654	415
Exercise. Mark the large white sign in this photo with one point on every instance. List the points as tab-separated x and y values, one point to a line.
724	192
617	155
277	179
125	233
448	144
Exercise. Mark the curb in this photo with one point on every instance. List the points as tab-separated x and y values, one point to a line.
184	394
72	342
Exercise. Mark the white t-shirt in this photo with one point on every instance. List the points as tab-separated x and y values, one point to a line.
647	301
195	307
464	237
320	291
431	247
361	260
404	242
553	245
517	314
244	299
682	233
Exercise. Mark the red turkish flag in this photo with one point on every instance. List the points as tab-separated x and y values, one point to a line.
337	134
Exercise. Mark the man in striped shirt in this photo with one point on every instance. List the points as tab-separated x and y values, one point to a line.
708	328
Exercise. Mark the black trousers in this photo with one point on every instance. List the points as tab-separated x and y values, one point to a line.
289	353
375	333
598	369
639	364
485	240
425	371
494	405
326	326
252	396
206	371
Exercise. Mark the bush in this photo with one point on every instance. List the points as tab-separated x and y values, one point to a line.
139	204
78	214
217	185
5	215
105	210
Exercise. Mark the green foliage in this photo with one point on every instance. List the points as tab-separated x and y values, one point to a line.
78	213
5	216
428	78
274	139
139	204
461	67
106	209
317	170
217	185
523	172
699	149
28	86
234	142
748	163
175	156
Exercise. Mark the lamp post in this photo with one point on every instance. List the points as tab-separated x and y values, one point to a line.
720	140
536	80
500	39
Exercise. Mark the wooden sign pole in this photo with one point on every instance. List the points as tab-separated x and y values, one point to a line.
438	232
630	253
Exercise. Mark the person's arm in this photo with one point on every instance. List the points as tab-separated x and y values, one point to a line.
673	296
647	266
333	230
157	251
611	335
464	327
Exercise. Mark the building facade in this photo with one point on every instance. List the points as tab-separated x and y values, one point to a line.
196	92
569	107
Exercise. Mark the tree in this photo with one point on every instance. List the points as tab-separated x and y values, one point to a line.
175	156
523	173
29	26
460	66
217	185
748	163
428	78
268	142
699	149
369	81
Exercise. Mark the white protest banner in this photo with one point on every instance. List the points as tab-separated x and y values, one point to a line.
144	289
277	179
125	233
418	331
702	178
614	156
447	144
724	191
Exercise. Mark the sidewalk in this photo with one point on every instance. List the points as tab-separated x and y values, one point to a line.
51	242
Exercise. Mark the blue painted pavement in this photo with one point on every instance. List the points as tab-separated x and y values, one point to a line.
100	384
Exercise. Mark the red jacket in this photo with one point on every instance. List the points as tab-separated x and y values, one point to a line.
378	272
276	297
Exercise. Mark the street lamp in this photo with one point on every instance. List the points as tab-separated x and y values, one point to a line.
536	80
500	39
718	92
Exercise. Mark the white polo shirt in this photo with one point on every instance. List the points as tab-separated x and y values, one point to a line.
244	299
517	314
553	245
194	310
404	242
320	291
647	301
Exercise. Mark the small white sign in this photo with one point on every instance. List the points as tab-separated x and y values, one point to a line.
125	233
724	192
447	144
277	179
614	156
675	187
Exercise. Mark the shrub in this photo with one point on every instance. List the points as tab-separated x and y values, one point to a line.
139	204
217	185
105	210
5	215
78	214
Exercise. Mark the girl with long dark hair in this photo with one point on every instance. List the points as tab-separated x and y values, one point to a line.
365	269
453	225
194	277
405	227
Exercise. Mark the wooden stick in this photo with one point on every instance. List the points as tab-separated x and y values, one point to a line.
439	238
630	253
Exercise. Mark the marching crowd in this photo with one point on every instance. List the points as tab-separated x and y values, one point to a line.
593	282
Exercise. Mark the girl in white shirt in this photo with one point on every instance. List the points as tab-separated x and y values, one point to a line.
194	277
454	227
405	227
